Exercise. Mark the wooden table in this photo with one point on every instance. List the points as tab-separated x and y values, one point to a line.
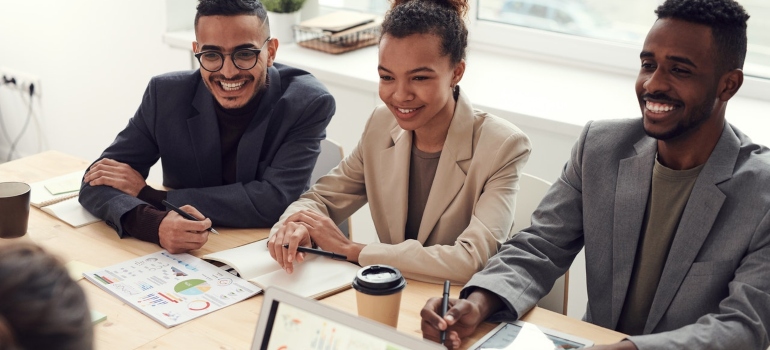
417	293
229	328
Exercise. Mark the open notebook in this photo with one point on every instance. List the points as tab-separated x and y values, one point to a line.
316	277
288	321
58	197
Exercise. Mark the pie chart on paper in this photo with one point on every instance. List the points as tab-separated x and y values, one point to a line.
192	287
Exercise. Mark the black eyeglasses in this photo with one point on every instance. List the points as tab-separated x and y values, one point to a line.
243	59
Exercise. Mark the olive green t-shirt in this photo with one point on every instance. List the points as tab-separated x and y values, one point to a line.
422	170
668	197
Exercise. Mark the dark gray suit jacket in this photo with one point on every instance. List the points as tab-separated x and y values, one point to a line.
176	122
714	292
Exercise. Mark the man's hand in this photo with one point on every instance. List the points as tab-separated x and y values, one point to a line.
179	235
115	174
295	235
623	345
462	318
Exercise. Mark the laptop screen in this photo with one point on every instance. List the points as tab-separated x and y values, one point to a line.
291	323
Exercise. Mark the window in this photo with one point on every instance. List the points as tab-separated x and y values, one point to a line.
584	18
370	6
615	22
595	34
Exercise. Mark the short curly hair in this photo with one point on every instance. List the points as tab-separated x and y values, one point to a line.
727	20
232	8
443	18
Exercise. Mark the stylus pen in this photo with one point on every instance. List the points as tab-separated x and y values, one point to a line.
444	307
319	252
186	215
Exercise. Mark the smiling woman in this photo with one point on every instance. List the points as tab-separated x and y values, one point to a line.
440	177
413	85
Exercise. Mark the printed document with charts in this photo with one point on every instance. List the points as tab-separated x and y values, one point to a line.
58	196
315	278
171	288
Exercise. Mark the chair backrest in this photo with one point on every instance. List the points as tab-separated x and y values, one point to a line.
331	155
532	190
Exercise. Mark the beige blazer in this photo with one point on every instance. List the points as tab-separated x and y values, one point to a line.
469	212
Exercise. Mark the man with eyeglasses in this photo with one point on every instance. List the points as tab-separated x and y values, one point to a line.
237	139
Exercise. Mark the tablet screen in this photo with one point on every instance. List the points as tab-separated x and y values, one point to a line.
527	336
293	328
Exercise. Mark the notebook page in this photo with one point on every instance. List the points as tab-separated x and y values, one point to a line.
71	212
250	260
314	277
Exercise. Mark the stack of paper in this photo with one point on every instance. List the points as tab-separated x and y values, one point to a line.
58	196
338	21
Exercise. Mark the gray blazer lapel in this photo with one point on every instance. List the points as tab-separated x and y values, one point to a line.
450	177
204	131
394	163
250	145
702	208
631	193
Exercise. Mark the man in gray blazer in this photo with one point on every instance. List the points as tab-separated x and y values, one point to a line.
238	138
673	209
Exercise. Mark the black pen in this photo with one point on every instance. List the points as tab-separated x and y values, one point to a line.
319	252
186	215
444	307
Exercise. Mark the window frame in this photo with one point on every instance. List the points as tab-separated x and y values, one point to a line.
580	52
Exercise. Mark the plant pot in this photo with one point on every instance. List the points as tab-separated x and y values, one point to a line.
282	26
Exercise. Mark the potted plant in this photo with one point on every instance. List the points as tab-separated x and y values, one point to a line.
283	15
283	6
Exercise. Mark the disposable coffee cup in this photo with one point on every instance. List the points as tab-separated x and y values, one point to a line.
14	209
378	293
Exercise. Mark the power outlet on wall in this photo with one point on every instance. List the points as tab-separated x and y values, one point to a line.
16	80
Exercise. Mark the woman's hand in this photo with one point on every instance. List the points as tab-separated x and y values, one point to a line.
294	234
326	234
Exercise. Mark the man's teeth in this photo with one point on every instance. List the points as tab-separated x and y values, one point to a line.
404	110
231	86
659	107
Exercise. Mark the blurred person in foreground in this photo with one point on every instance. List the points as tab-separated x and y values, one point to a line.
41	307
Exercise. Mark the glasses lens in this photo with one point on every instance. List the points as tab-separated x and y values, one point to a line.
245	59
211	61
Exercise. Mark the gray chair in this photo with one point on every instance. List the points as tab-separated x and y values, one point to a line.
532	190
331	155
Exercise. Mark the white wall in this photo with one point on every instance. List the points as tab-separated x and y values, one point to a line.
94	59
